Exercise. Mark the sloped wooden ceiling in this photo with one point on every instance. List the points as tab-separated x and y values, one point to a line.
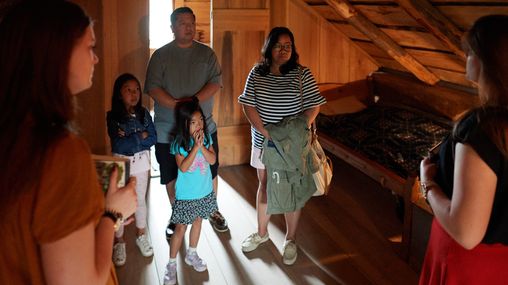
421	37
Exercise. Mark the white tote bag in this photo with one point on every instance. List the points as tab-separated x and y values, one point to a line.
322	177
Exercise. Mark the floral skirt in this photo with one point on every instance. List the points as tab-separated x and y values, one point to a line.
186	211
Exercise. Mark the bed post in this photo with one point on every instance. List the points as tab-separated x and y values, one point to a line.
408	217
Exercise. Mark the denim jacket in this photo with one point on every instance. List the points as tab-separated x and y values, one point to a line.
132	142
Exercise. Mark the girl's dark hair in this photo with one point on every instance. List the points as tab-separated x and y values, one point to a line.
37	39
184	111
263	66
488	40
118	110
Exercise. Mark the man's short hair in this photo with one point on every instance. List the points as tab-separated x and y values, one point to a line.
179	11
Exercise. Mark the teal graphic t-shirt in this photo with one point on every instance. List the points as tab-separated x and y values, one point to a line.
196	182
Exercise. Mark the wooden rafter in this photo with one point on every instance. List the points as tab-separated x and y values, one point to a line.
435	22
382	40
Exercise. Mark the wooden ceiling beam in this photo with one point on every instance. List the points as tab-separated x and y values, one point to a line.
382	40
436	23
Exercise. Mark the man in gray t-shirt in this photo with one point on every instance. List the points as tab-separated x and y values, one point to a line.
181	70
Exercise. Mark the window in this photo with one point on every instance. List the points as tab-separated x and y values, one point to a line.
160	23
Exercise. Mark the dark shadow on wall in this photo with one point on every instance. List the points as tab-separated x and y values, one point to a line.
5	5
135	61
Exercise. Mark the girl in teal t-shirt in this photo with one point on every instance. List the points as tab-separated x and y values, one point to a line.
195	199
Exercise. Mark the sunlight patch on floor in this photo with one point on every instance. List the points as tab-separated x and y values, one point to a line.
228	195
395	239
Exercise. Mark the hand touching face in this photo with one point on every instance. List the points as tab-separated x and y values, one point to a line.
199	138
196	127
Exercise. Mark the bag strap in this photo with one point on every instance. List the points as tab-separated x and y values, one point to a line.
301	88
313	126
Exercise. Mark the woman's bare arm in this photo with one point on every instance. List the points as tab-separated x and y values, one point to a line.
255	120
84	256
466	216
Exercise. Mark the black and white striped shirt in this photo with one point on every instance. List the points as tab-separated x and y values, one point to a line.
278	96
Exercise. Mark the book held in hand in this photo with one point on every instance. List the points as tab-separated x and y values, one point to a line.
104	165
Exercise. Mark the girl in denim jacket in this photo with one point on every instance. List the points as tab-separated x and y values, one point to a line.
132	133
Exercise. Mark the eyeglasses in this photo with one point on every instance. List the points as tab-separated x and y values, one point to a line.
279	47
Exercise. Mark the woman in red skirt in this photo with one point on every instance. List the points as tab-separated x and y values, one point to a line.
467	185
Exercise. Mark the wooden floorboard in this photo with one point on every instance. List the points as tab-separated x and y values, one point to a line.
351	236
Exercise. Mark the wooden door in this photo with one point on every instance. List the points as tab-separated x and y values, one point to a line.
238	32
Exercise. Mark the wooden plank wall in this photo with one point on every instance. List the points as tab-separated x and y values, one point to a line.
121	29
237	32
328	52
239	29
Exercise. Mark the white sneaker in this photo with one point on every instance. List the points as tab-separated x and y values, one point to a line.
170	275
253	241
119	254
144	245
289	253
195	261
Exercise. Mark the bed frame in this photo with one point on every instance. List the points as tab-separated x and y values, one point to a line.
445	101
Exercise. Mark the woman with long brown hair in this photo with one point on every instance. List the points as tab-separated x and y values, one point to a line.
467	188
57	227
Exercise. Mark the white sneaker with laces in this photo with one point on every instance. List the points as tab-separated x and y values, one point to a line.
144	245
119	254
195	261
289	253
170	275
253	241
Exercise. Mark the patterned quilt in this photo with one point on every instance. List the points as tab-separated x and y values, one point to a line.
393	136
